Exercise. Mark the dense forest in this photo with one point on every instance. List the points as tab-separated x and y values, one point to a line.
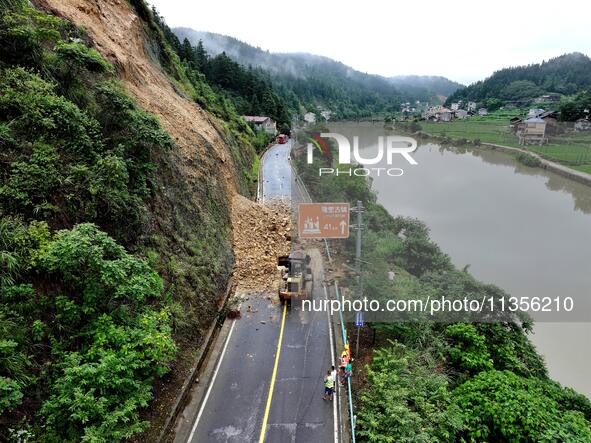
251	90
433	381
567	75
425	87
102	251
312	82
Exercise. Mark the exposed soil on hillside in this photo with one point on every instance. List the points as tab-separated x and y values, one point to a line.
202	173
118	35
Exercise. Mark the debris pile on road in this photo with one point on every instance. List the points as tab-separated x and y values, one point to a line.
261	234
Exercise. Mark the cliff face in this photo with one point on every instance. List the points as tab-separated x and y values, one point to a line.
199	179
120	36
90	163
195	184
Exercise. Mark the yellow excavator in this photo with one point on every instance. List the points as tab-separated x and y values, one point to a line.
297	277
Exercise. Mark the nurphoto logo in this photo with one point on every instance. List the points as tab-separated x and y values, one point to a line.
388	147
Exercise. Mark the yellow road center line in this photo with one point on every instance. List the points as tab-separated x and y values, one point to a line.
272	386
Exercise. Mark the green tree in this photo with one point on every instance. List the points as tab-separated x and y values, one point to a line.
502	406
201	56
520	89
468	350
186	51
407	400
420	255
572	109
122	342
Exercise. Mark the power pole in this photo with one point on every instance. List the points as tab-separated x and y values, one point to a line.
359	209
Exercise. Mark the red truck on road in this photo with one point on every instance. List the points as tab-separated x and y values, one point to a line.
281	139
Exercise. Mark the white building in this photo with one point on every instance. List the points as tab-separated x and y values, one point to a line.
310	117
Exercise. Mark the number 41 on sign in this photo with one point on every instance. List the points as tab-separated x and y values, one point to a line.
323	220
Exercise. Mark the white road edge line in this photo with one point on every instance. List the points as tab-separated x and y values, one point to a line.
215	374
336	383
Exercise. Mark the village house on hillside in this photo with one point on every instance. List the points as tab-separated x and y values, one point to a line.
442	114
438	113
548	98
445	115
532	131
407	109
461	113
550	118
262	123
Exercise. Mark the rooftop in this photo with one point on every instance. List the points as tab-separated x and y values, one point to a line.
256	118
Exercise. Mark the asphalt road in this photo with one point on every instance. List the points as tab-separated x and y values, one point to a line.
233	406
276	173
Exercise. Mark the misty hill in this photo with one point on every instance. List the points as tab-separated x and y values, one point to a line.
318	80
294	64
311	81
566	74
434	85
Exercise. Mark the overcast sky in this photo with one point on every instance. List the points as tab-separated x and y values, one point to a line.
462	40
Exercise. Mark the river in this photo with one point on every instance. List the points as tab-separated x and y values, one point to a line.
523	229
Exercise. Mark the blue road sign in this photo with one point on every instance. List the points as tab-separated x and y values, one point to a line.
359	319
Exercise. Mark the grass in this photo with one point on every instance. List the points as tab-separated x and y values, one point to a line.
254	172
493	128
583	168
572	149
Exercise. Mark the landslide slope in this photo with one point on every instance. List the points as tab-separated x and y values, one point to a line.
186	233
200	178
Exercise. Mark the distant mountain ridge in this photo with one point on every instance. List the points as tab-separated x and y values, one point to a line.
436	84
567	74
303	66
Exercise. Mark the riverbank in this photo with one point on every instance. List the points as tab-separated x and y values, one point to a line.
565	171
528	241
579	175
439	366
